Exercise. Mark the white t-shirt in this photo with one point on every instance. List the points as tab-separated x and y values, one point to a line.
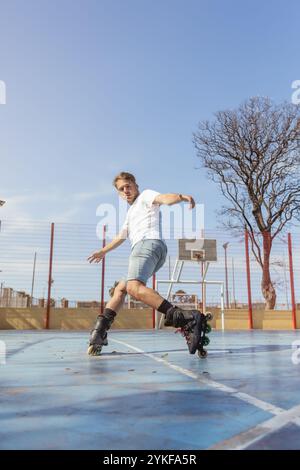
143	219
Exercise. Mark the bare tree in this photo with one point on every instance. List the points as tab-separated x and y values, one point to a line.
253	154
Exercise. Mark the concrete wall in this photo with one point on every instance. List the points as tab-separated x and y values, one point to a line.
21	318
84	318
70	319
262	319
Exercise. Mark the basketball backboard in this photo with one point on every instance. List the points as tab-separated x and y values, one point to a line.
197	249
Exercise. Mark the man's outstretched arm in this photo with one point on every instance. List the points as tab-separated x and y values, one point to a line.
97	256
170	199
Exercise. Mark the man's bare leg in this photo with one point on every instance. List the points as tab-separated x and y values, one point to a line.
118	297
148	296
190	322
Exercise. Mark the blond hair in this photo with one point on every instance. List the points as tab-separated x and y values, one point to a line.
124	176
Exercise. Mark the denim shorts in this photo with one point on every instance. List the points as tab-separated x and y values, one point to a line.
147	257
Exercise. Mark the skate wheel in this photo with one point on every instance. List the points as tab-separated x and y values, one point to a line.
209	316
202	353
206	341
207	329
90	350
94	350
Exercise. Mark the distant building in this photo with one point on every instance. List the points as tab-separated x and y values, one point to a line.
16	299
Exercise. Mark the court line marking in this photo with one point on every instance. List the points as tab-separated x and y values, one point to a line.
281	418
245	439
263	405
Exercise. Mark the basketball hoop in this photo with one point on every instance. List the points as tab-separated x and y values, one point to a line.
198	255
201	250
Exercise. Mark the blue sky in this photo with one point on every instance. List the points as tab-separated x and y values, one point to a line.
96	87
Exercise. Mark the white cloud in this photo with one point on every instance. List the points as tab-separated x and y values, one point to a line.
57	205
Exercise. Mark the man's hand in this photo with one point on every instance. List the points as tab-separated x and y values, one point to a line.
190	200
96	257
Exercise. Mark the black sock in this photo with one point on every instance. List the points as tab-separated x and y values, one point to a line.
164	307
109	314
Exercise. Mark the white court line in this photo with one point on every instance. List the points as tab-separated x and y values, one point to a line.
263	405
245	439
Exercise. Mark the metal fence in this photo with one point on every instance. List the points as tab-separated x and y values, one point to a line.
34	274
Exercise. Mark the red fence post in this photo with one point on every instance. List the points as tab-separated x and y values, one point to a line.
248	280
47	322
292	280
103	270
153	310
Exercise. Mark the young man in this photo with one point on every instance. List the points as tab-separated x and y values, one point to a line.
143	227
